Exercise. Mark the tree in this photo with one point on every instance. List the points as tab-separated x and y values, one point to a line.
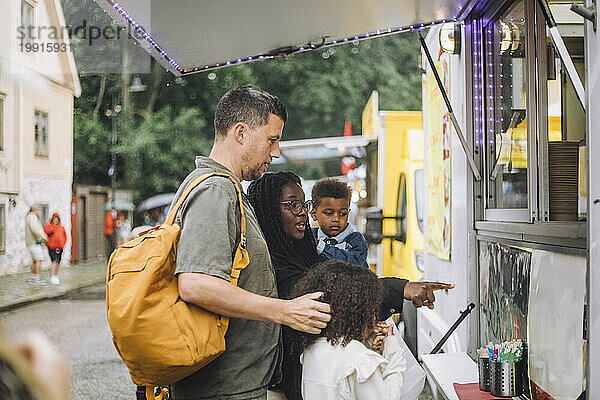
91	141
161	151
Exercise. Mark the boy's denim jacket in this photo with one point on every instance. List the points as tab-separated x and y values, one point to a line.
349	246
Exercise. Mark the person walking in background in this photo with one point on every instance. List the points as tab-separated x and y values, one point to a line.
57	238
155	217
123	228
34	238
109	232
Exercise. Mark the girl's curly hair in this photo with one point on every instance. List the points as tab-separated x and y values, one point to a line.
354	293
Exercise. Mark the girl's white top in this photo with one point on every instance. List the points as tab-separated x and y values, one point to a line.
352	372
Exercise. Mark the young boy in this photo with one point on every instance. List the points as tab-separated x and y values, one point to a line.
337	239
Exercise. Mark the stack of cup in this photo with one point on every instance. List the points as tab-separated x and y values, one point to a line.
484	373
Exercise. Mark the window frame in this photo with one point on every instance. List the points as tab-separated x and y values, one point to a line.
528	214
44	213
35	133
24	3
2	228
2	104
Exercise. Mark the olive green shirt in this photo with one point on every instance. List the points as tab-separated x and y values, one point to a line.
210	221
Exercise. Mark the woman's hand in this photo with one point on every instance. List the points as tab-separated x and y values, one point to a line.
421	293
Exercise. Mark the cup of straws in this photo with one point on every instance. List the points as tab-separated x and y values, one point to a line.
500	368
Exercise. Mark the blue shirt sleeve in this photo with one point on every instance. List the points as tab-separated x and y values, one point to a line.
355	252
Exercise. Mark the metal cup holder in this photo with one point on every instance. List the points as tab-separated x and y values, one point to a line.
505	379
484	373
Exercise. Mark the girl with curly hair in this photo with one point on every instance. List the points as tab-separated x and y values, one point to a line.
341	363
279	203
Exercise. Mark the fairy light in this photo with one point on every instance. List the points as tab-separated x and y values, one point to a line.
478	78
154	45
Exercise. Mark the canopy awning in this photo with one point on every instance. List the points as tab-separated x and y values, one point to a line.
188	36
329	148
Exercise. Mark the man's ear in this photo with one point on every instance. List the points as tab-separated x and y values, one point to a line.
313	214
240	132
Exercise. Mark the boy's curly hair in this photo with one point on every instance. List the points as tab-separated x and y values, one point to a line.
330	187
354	293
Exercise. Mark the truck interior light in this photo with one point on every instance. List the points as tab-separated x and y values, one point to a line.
450	38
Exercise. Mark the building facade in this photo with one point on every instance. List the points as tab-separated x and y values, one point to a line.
37	88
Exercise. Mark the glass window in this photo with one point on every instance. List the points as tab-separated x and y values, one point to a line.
2	228
401	213
566	150
41	133
44	217
26	21
419	192
505	70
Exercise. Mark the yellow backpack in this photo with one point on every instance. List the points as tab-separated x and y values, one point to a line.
161	338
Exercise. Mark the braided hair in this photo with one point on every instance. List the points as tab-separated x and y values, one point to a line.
286	253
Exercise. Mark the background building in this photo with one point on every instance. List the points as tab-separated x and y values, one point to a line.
38	80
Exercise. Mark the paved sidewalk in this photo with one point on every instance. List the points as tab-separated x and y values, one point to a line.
15	290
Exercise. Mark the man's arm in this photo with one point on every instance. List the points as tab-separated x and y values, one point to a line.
216	295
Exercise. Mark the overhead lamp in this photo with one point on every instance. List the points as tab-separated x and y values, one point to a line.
136	85
507	37
450	38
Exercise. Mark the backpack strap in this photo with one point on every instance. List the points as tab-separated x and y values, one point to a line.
173	212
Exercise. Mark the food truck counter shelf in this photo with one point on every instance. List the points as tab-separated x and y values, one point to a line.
559	229
567	234
446	368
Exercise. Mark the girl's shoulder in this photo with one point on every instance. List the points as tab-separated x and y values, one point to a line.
365	361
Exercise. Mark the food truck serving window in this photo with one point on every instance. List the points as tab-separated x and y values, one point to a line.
506	110
528	119
506	100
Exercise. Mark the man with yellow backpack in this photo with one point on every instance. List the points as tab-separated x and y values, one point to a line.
197	307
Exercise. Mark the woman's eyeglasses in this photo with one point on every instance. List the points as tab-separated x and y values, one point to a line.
296	206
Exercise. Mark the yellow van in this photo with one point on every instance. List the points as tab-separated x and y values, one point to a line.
396	185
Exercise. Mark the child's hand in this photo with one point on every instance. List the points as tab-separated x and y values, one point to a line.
381	331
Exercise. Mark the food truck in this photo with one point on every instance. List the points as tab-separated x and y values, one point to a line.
512	178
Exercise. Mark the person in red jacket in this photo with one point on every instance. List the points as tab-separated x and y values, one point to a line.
57	237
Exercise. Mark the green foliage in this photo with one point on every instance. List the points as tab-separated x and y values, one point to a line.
325	87
91	140
161	151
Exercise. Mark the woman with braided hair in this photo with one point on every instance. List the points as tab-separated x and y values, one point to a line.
282	212
278	200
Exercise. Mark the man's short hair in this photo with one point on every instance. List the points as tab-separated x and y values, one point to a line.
247	104
330	187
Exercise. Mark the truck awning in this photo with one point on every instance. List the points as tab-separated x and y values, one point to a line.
188	36
329	148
